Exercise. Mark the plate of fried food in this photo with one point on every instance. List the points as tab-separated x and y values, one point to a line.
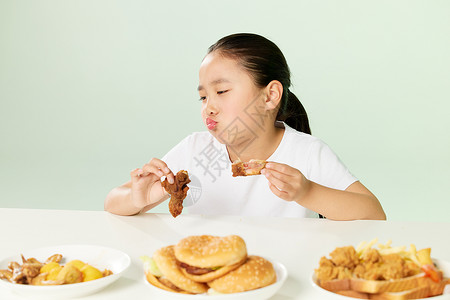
60	272
383	272
212	267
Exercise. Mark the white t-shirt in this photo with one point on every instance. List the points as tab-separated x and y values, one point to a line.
214	191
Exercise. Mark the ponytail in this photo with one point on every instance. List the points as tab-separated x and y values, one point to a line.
293	113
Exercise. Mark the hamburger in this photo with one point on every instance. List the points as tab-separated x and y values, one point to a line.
205	258
163	272
255	273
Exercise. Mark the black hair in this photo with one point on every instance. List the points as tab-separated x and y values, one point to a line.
265	62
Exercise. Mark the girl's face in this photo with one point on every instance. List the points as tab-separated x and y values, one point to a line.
228	96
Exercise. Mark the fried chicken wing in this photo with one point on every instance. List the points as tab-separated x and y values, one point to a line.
6	274
54	258
178	191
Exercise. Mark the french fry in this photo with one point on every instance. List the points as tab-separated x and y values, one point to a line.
393	250
360	247
385	246
413	254
364	246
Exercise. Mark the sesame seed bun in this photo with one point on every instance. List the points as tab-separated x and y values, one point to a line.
167	264
222	254
255	273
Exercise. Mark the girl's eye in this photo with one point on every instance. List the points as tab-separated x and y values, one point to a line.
202	99
221	92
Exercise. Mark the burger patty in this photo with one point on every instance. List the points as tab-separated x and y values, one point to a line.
195	270
169	284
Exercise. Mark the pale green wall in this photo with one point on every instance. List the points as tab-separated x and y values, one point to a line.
92	89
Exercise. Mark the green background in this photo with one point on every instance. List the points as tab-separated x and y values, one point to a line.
90	90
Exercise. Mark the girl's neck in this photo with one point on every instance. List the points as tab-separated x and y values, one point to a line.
261	147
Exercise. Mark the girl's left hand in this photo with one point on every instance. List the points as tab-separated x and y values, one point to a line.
286	182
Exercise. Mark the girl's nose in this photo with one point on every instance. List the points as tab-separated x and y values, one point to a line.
210	108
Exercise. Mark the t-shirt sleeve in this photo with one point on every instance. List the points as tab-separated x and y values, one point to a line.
325	167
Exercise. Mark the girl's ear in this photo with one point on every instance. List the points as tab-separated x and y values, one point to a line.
274	92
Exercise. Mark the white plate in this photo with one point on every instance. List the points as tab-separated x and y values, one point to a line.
441	264
258	294
99	257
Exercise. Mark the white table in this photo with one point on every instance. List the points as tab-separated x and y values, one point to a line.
296	243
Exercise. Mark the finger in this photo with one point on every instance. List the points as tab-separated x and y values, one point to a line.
279	183
150	168
135	174
170	177
277	192
281	168
275	174
167	172
162	166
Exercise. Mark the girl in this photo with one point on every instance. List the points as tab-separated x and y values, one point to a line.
250	113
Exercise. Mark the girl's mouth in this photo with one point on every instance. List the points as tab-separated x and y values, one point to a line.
210	123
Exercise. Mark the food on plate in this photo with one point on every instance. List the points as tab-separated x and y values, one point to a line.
252	167
205	257
90	273
163	272
51	272
206	263
69	274
178	191
76	263
255	273
384	273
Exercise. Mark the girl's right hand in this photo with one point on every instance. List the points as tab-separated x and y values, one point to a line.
146	188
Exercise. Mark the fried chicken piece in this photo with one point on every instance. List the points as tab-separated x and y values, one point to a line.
410	269
368	268
13	265
345	257
359	271
54	258
6	274
178	191
31	270
328	271
385	267
252	167
372	256
345	263
373	272
18	276
31	260
325	270
392	259
325	262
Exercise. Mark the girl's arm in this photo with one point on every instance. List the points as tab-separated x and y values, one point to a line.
356	202
143	192
118	201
